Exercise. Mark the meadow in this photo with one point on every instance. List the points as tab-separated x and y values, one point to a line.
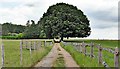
12	54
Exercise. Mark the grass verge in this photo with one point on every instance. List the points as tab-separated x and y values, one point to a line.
86	61
81	59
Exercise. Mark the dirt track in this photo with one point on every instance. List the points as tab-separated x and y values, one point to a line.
48	60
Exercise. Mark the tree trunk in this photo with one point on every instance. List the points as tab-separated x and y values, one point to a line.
61	38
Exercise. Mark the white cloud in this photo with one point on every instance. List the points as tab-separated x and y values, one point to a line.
109	33
24	10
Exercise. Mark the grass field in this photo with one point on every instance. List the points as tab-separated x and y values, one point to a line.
12	54
104	43
86	61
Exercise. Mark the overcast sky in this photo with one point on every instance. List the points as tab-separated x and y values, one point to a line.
103	14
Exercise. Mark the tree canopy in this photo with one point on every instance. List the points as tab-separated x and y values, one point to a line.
64	20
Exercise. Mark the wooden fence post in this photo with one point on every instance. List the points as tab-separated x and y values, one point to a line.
76	46
84	48
34	45
2	50
99	54
116	57
37	45
30	47
30	51
51	43
91	51
45	43
21	44
81	48
26	44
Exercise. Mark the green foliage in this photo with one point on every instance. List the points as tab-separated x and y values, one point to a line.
32	30
8	28
13	36
8	37
65	20
42	34
20	35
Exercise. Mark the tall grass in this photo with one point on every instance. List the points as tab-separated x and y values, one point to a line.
86	61
12	54
81	59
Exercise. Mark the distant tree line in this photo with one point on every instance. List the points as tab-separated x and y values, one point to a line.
60	20
11	29
14	31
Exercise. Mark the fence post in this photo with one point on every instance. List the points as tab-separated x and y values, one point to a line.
30	47
76	46
84	48
99	54
91	51
45	43
51	43
34	45
2	50
37	45
30	50
21	43
26	44
116	57
81	48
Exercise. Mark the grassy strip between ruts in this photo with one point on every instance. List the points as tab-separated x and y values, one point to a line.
59	62
12	54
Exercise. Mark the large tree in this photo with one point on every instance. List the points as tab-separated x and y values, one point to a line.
65	20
